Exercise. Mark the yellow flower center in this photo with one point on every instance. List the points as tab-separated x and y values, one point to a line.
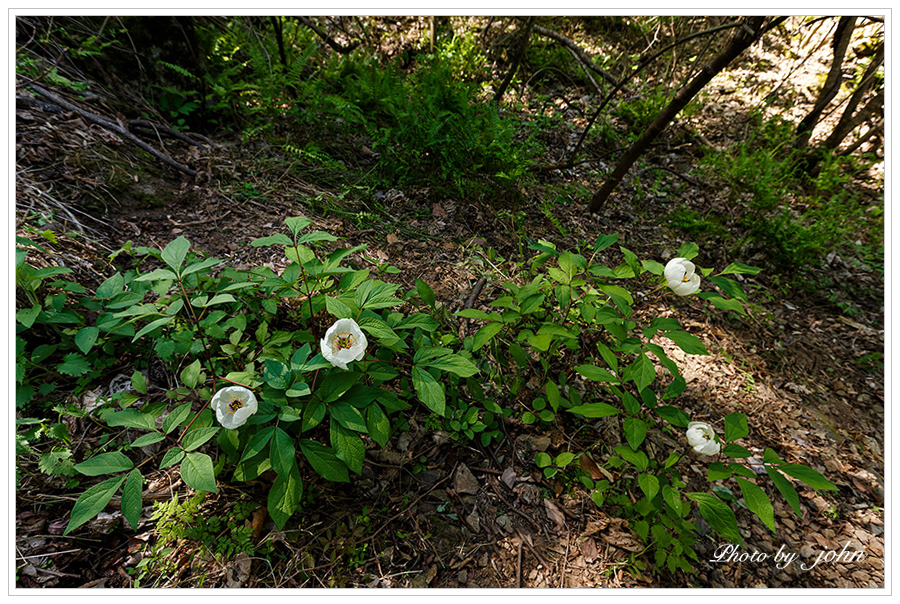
341	341
234	404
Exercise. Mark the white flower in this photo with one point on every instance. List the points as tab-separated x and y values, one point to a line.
233	405
702	437
680	276
344	342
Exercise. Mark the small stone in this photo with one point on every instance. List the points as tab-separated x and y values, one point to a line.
463	576
474	521
465	481
807	552
833	465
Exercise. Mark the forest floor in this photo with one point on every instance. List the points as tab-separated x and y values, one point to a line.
431	512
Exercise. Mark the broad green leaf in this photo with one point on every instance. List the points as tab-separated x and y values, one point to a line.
172	457
378	329
674	416
736	451
282	452
73	364
635	432
654	267
735	427
718	515
338	309
148	439
688	251
92	502
429	390
737	267
594	410
642	371
153	325
632	406
199	266
285	496
729	287
638	458
453	363
129	418
553	395
191	374
649	485
425	292
27	316
105	463
378	424
604	241
717	471
689	343
348	446
297	224
159	274
198	473
484	335
419	321
276	239
174	253
324	461
176	417
276	374
786	489
564	459
349	416
195	438
257	443
608	355
131	498
804	474
86	338
111	287
542	460
596	374
673	498
757	502
723	304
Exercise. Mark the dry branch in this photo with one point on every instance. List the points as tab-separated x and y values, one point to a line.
112	126
578	52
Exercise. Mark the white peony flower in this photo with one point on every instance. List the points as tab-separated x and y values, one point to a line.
702	437
233	405
680	276
344	342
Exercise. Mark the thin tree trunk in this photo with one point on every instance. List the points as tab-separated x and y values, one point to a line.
746	35
872	131
276	25
518	59
865	85
832	82
847	126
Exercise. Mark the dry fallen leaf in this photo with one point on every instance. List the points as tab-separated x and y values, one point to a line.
590	466
555	514
438	211
588	549
392	239
238	571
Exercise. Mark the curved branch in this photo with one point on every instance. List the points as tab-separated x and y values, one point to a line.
576	50
328	39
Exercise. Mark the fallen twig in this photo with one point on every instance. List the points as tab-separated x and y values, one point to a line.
165	130
578	53
109	125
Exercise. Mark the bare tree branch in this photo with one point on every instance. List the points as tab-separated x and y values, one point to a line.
579	53
328	39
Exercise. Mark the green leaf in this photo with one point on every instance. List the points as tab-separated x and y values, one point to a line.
453	363
282	452
113	286
139	382
174	253
131	498
717	471
786	489
596	374
729	287
673	498
429	390
737	267
736	451
348	446
148	439
338	309
195	438
276	239
654	267
604	241
176	417
27	316
73	364
718	515
757	502
735	427
802	473
688	251
198	473
674	416
642	371
297	224
649	485
324	461
542	459
349	416
689	343
129	418
276	374
425	292
105	463
635	432
172	457
153	325
377	328
86	338
594	410
159	274
92	502
419	321
199	266
191	374
638	458
285	496
257	443
484	335
378	424
723	304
